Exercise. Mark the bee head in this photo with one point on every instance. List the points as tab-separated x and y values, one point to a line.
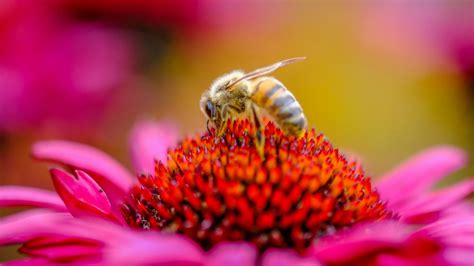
214	100
210	109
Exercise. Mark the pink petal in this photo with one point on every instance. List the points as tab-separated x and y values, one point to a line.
41	224
361	241
427	207
232	254
24	226
419	174
456	233
149	141
81	194
29	262
454	230
108	173
30	197
459	256
463	208
392	260
120	245
62	249
56	236
152	248
275	257
28	225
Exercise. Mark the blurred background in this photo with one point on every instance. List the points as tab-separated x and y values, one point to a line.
382	79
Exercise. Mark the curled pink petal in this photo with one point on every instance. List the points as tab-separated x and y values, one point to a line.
232	254
426	208
419	173
108	173
275	257
149	141
81	194
30	197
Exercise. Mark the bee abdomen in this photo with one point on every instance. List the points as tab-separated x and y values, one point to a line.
290	117
264	90
281	104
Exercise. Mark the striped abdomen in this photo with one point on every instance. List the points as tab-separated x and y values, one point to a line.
280	104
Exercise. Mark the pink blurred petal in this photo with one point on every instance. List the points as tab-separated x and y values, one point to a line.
456	232
453	230
108	173
274	257
361	240
460	209
64	74
426	208
232	254
30	197
419	174
149	141
88	66
392	260
152	248
459	256
81	194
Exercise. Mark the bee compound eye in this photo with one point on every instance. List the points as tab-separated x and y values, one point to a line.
210	109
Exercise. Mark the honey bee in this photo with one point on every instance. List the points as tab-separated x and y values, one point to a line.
238	93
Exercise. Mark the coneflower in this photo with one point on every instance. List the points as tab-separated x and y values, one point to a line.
216	201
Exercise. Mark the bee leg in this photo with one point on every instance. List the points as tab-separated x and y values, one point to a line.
221	130
207	127
259	137
222	125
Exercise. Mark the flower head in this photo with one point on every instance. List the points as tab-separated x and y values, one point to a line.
218	188
215	201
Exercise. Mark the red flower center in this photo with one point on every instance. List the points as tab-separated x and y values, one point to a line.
219	188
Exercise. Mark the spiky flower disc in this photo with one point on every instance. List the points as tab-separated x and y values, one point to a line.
214	189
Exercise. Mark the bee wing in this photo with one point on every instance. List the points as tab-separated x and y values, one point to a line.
266	70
